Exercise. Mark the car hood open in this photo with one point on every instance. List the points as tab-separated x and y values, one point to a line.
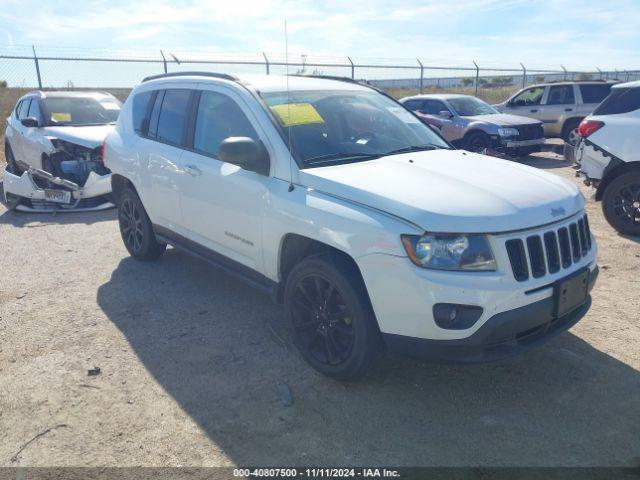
504	119
452	191
89	136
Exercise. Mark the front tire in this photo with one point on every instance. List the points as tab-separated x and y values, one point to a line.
136	228
476	142
332	320
621	203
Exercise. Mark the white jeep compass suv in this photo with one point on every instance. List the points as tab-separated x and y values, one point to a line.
337	201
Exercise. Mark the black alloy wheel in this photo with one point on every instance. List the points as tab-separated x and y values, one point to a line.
322	320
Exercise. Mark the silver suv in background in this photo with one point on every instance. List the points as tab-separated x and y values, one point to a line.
560	106
474	125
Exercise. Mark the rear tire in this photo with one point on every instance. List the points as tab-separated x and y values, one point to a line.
621	203
570	131
476	141
333	324
136	228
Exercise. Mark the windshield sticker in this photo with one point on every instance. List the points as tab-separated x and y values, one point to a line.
403	115
110	105
61	117
292	114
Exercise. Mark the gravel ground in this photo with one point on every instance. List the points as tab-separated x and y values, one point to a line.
191	364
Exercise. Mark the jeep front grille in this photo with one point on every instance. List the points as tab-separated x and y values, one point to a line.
539	254
530	132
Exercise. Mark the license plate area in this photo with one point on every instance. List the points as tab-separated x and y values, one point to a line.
57	196
571	292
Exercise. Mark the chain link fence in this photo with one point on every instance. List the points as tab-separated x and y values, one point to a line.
26	67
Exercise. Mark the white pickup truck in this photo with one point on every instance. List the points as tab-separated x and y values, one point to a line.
370	228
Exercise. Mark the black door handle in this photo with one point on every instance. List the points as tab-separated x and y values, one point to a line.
568	109
534	110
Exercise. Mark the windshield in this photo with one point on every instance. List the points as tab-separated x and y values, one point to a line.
470	106
328	127
79	111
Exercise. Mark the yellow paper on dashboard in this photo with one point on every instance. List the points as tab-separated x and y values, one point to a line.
61	117
292	114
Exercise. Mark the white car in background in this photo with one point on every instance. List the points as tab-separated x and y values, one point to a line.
53	148
608	155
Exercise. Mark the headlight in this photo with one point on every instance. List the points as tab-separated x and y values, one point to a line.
508	132
450	251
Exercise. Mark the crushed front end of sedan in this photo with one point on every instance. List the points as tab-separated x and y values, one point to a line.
54	159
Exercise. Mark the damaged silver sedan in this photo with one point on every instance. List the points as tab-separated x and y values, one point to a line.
53	148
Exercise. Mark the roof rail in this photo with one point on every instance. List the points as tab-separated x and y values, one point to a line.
223	76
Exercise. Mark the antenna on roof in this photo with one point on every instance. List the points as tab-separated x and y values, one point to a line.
286	61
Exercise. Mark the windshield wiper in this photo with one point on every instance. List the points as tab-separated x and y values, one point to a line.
414	148
330	157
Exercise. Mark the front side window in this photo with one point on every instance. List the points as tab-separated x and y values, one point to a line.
531	96
561	95
34	111
433	107
470	106
81	111
23	108
219	117
339	126
173	114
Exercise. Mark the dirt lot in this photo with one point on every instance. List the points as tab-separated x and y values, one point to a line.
191	363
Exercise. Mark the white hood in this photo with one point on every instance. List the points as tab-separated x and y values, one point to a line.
452	191
89	136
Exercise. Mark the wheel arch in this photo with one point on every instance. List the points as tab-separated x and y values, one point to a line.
568	122
610	174
295	247
119	182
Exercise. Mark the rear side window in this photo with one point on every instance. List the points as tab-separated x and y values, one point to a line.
594	93
219	117
140	111
173	114
433	107
561	95
621	100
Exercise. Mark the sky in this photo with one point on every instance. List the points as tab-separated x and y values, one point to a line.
540	33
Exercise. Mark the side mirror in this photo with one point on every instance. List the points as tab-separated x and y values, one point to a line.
445	114
246	153
30	122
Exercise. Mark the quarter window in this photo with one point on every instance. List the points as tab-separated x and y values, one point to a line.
594	93
173	114
561	95
219	117
140	109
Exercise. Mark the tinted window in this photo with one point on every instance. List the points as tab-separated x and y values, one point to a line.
218	118
561	95
531	96
594	93
23	108
173	114
140	109
413	104
621	100
155	114
433	107
34	111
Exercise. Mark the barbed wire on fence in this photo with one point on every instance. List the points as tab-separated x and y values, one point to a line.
64	67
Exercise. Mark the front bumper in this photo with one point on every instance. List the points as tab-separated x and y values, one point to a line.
507	143
93	195
503	335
